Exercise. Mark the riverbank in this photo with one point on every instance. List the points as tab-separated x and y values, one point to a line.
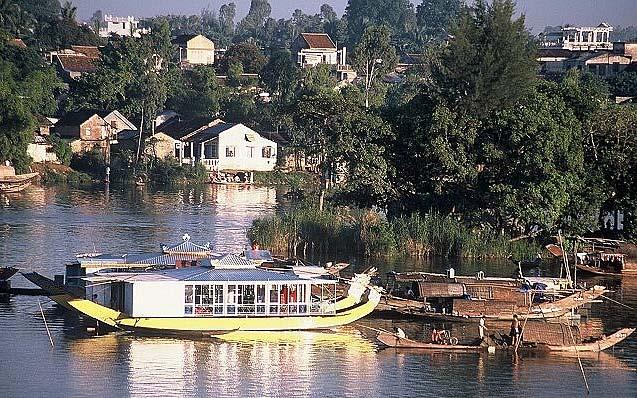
306	231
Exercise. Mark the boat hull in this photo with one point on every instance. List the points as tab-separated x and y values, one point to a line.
208	325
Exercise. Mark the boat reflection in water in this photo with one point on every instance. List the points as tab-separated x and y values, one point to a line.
245	363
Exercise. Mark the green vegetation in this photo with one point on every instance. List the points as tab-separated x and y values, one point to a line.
308	231
294	180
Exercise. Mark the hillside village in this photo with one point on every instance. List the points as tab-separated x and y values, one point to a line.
386	112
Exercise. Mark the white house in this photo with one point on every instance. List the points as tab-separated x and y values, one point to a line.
229	147
579	38
317	48
195	50
122	26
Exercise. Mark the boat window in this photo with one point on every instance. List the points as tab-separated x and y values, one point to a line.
188	309
188	294
245	298
231	299
260	293
197	294
274	299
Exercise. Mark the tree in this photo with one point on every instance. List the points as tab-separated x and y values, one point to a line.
132	77
9	13
615	131
435	18
42	10
346	139
69	11
254	22
328	14
200	83
490	53
27	88
624	84
374	57
96	21
280	75
235	74
227	13
247	54
398	15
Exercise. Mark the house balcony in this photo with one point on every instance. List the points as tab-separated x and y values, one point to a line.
211	164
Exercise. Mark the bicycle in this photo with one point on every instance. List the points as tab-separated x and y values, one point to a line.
445	338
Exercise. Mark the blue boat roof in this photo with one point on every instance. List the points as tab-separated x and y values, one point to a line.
225	275
206	274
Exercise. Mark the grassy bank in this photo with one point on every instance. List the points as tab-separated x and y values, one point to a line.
306	231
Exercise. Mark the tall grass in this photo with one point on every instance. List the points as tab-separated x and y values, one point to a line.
307	231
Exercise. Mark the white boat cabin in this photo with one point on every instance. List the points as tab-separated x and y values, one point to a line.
213	292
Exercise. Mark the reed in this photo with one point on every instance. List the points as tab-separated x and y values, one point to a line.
307	231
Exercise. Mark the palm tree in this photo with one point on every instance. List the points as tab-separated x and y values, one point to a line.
9	13
69	11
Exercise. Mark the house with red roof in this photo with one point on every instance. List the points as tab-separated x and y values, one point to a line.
312	49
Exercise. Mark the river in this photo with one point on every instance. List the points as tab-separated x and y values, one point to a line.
42	228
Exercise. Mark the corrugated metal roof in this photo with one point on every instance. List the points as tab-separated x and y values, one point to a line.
234	260
187	247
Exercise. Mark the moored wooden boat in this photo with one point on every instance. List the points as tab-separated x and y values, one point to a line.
601	344
394	341
467	299
11	182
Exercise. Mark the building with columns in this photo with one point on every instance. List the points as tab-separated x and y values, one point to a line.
579	38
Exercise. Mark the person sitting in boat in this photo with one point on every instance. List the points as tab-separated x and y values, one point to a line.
515	330
399	332
434	336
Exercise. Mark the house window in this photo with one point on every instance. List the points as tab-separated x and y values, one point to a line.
114	124
230	151
211	151
250	151
266	152
177	149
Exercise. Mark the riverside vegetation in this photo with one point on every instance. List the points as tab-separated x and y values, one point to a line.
471	136
307	231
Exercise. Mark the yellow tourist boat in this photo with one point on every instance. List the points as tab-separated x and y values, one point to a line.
215	300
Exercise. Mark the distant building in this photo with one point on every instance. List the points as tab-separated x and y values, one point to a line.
17	43
40	149
71	63
312	49
195	50
122	26
603	64
579	38
89	129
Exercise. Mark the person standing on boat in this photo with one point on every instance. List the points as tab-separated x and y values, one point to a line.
399	332
481	326
515	330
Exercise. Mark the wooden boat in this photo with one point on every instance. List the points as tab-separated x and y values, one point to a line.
394	341
467	299
11	182
214	300
600	257
601	344
7	272
605	342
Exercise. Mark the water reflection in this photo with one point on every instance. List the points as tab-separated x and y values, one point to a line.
44	227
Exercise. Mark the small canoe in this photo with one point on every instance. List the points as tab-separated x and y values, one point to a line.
596	346
394	341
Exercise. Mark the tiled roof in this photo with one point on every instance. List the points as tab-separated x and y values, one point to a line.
187	247
17	42
77	63
210	132
318	40
89	51
76	118
178	128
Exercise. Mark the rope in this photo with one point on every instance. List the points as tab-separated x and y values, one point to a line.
46	325
579	360
617	302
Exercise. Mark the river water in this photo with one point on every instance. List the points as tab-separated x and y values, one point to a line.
42	228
